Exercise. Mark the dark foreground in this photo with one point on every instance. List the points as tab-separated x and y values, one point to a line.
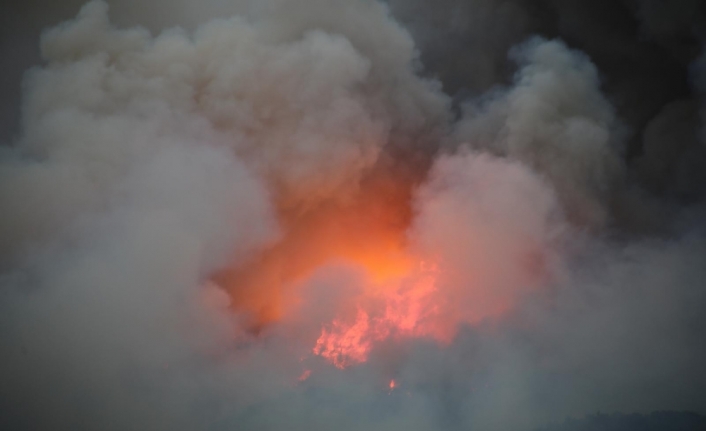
658	421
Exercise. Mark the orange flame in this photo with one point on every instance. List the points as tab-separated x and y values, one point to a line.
405	295
368	230
346	344
409	306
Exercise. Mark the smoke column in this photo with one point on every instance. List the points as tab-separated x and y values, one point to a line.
336	214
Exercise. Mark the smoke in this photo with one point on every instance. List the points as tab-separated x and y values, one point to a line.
556	120
509	225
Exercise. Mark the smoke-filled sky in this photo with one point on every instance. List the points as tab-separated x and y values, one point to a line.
350	214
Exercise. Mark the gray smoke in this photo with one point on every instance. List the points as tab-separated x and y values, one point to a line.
557	167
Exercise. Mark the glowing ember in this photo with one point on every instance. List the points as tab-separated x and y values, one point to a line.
409	305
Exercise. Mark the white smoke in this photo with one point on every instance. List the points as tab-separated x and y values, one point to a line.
147	162
496	226
555	120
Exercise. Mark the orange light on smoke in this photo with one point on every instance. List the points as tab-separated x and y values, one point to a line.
305	375
368	230
409	310
402	294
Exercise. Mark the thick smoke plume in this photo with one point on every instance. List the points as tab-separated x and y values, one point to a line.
336	214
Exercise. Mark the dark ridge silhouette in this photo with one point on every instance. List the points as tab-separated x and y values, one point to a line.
656	421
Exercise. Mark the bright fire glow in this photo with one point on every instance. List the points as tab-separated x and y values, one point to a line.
401	294
408	309
368	231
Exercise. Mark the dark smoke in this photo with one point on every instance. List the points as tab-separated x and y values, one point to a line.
552	153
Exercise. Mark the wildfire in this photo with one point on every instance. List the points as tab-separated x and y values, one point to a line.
406	289
368	230
346	344
409	309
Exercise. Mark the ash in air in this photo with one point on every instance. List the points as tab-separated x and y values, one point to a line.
351	214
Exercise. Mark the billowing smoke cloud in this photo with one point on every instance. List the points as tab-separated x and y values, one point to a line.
556	120
276	218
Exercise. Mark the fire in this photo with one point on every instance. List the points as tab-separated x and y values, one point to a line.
405	291
392	385
368	230
409	310
399	298
346	344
